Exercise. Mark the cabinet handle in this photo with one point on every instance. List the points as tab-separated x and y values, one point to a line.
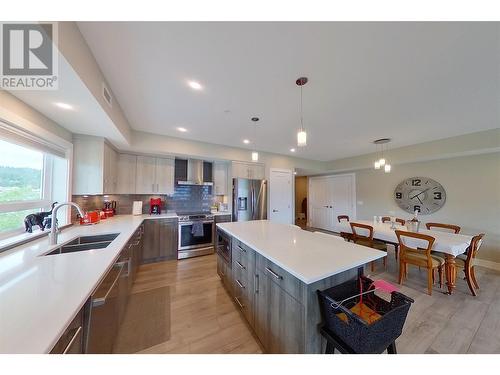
70	344
157	188
238	302
240	284
274	273
240	265
153	188
102	300
242	249
256	278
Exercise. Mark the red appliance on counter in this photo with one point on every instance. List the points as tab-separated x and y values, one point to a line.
155	206
91	217
109	208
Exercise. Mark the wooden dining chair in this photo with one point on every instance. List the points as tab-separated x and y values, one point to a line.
367	239
345	235
451	227
386	219
466	261
419	256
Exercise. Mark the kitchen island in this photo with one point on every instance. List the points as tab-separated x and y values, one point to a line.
273	271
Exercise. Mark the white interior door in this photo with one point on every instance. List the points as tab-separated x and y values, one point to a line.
317	211
280	195
343	200
330	196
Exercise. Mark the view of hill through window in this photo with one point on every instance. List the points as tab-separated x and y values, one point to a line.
20	180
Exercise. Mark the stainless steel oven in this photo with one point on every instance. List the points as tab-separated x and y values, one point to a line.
196	235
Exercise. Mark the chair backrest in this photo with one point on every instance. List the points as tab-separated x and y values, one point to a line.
330	235
342	217
424	246
386	219
365	239
454	228
474	246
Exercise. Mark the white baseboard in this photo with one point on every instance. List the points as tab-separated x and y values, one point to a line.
487	264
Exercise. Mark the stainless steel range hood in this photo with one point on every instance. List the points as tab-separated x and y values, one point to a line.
195	173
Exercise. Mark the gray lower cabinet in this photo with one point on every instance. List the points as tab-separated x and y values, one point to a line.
282	310
160	240
278	317
72	340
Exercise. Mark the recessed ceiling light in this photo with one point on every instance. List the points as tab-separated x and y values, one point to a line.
195	85
292	150
63	105
246	141
181	129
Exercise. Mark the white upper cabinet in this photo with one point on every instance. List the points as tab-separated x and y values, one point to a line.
94	166
145	182
127	168
165	168
255	171
154	175
220	178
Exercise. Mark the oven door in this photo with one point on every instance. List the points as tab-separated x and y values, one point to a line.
188	241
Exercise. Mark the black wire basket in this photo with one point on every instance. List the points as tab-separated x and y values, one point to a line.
353	330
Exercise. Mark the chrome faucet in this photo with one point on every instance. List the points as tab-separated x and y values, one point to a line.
54	229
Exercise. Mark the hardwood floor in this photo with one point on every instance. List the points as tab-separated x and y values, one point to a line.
203	319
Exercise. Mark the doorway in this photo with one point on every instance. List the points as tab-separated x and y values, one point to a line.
329	197
280	196
301	183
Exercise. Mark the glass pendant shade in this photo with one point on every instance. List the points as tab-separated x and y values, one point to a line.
387	168
377	165
255	156
382	162
301	138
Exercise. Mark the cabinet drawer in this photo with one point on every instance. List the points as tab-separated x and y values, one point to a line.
279	276
240	250
71	341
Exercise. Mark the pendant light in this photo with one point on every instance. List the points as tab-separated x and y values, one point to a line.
301	134
382	162
255	154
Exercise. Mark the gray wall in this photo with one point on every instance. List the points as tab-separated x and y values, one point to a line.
472	185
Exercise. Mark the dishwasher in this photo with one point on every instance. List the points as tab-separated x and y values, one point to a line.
106	310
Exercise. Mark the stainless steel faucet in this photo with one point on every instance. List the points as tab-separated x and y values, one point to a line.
53	229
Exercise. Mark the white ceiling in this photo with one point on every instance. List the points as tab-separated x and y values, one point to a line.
413	82
86	116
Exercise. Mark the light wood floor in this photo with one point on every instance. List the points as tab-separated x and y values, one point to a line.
203	319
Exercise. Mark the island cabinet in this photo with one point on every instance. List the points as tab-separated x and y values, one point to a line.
160	240
282	310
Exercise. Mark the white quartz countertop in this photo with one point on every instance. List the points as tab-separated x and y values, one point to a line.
306	255
40	295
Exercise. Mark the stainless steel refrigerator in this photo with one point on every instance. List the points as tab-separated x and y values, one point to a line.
249	199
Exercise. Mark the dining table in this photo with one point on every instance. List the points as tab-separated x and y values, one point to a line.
449	244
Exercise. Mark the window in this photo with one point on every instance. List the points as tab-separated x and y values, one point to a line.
30	180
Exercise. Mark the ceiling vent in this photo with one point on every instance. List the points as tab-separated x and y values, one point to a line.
106	94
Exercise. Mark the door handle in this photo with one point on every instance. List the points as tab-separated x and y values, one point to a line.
275	210
70	344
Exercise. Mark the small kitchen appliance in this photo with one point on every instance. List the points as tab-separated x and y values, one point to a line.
155	206
109	208
91	217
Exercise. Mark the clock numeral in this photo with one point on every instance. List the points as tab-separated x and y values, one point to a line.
416	208
399	195
416	182
437	195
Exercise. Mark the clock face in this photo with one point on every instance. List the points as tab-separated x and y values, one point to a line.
420	194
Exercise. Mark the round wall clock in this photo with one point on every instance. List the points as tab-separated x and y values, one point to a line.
420	194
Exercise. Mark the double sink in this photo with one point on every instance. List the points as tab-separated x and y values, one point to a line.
85	243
